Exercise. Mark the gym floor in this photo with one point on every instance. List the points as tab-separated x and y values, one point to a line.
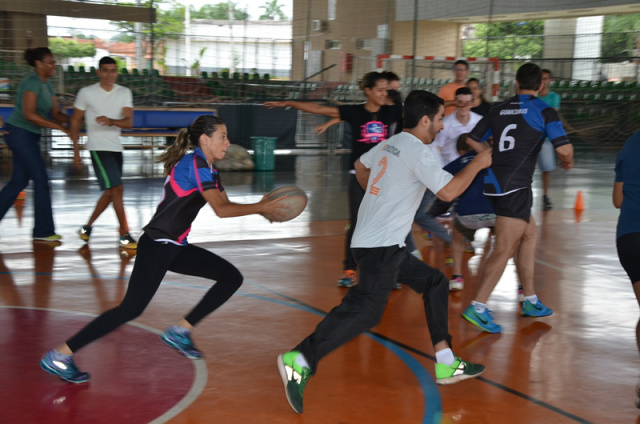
577	366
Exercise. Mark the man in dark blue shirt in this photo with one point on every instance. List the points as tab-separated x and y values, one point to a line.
518	126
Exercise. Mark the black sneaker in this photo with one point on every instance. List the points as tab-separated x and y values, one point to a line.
546	203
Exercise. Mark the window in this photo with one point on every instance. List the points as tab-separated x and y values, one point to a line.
331	14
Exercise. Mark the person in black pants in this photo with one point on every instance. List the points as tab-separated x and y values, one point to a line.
395	176
192	183
370	124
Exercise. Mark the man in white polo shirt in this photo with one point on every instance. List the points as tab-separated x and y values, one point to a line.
394	174
107	108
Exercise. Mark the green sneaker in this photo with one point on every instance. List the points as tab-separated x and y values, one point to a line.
294	378
458	371
52	237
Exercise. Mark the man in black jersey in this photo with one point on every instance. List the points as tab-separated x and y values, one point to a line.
518	126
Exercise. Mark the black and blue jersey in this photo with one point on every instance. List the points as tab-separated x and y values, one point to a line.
181	199
519	126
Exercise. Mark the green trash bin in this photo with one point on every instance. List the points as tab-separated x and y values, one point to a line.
263	153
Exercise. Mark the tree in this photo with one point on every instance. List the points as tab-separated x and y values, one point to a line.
506	40
169	25
219	11
123	37
272	10
621	38
195	66
69	48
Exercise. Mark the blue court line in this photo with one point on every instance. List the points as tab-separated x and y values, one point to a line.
399	349
432	400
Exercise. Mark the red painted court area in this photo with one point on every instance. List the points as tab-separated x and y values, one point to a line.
135	378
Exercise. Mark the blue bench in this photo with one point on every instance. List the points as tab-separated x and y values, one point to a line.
148	123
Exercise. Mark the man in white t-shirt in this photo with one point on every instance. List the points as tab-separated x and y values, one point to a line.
459	122
395	175
106	108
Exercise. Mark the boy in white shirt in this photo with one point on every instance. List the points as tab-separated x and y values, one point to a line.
461	121
396	172
107	108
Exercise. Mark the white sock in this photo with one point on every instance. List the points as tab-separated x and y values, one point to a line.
479	307
60	356
302	361
533	298
181	330
445	356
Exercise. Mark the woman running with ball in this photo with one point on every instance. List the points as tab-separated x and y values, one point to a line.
191	182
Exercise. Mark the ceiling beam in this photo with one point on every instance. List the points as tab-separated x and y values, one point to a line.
75	9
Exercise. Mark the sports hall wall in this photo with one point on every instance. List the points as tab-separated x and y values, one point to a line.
332	43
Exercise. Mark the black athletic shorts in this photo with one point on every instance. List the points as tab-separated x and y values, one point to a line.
628	247
108	168
513	205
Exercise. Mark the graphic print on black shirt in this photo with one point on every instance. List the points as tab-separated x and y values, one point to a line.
368	128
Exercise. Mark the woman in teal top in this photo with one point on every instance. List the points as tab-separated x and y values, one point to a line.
35	107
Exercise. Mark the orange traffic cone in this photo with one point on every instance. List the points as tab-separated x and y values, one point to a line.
579	206
19	205
22	195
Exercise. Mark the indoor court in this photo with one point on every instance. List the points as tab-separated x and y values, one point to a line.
571	367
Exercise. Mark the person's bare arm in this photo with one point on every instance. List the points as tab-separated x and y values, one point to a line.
309	107
125	122
362	173
29	100
455	102
225	208
477	146
74	127
322	128
565	153
463	179
57	114
617	194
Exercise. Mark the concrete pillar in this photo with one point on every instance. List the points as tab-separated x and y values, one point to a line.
588	46
559	43
20	31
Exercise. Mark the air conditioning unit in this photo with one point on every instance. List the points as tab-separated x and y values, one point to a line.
319	25
363	43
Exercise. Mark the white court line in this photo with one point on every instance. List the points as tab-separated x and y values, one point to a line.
199	381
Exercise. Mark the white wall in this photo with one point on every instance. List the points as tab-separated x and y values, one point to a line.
264	45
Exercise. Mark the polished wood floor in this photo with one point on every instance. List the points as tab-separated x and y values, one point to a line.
578	366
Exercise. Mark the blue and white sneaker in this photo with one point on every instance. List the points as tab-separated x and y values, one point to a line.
180	342
535	309
483	320
65	369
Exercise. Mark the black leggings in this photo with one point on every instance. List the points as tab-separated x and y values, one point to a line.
153	261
